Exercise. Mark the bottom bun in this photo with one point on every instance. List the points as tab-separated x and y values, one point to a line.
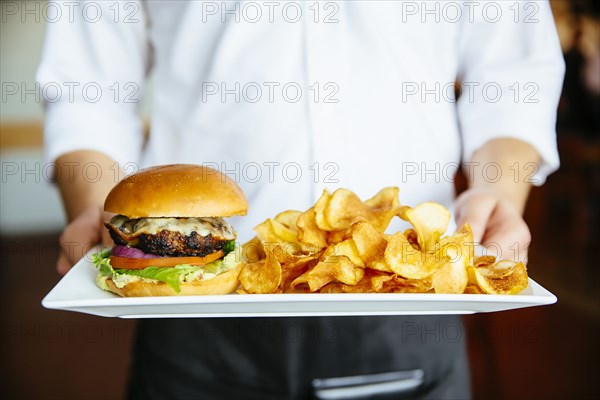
224	283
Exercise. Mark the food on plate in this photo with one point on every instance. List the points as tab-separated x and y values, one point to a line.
340	245
430	221
170	234
502	277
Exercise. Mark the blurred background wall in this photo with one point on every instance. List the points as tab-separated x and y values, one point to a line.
548	352
22	119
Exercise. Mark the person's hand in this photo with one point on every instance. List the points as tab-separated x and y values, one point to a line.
79	236
495	222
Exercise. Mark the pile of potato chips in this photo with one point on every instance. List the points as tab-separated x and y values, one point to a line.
340	246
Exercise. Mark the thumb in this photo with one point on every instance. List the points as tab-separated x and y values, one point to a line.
476	211
78	238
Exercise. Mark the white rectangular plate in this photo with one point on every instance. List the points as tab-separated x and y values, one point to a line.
77	291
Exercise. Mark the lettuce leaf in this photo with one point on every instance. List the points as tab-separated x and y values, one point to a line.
172	276
102	262
229	247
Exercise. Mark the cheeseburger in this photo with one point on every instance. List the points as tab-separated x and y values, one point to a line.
169	233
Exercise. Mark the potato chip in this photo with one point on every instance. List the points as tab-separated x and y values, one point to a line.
484	261
340	246
498	270
408	262
293	269
413	239
281	241
473	289
334	269
371	286
384	206
338	236
378	282
261	277
274	232
343	208
345	248
320	207
380	265
299	282
252	251
289	218
450	278
364	286
430	221
333	287
372	281
481	261
403	285
453	277
369	243
503	277
309	232
283	232
266	233
285	252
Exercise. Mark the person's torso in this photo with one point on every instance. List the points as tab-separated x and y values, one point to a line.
291	98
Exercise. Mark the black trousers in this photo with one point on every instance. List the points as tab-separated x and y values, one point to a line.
278	358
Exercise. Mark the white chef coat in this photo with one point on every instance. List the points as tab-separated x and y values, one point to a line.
289	98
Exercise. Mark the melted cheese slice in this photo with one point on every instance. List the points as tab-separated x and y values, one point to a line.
217	227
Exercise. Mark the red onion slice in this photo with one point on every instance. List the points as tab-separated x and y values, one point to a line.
131	252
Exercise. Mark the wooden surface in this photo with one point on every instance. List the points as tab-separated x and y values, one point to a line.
18	135
30	134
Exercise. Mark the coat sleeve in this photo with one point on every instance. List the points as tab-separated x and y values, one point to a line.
92	72
511	70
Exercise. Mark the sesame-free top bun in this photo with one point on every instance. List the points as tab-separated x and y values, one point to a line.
179	190
224	283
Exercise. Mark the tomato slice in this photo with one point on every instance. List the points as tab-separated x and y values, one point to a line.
141	263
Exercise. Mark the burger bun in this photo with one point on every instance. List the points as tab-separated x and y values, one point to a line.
178	190
224	283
